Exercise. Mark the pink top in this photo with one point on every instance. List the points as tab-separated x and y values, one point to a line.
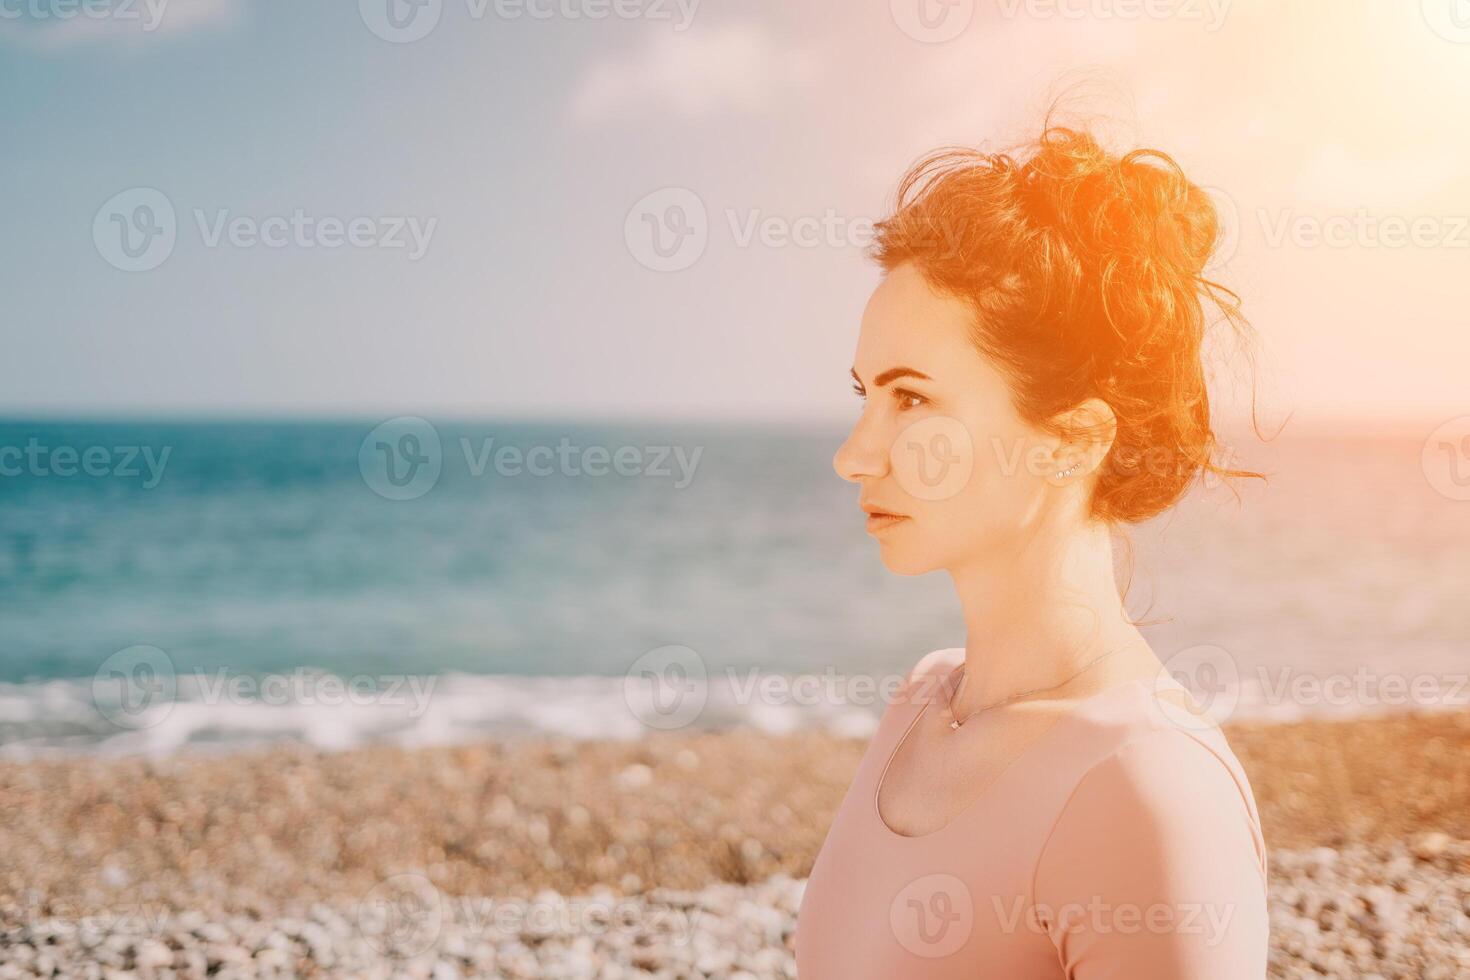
1124	844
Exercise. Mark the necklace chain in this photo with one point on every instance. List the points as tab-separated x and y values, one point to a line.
955	723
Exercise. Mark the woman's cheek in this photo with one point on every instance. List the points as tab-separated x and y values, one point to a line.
933	458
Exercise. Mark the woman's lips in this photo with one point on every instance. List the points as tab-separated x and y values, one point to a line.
880	521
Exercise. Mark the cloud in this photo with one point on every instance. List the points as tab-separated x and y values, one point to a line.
54	25
693	75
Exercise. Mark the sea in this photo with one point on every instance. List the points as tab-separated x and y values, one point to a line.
214	586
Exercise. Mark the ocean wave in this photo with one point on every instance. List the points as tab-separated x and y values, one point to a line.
326	712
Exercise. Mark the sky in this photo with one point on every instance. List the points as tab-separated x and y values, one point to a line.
656	208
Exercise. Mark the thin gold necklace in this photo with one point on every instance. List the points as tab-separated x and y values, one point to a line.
955	723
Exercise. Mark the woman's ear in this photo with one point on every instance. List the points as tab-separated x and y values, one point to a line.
1089	430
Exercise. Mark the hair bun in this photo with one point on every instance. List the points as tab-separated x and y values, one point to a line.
1137	207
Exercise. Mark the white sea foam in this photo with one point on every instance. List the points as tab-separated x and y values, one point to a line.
63	717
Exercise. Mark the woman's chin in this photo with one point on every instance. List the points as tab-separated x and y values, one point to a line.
904	561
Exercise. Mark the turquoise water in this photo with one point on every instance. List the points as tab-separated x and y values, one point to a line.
265	547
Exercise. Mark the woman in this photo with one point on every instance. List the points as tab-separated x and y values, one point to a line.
1043	802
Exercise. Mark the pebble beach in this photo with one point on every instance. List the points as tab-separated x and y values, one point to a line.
671	856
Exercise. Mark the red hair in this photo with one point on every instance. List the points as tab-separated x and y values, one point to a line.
1086	275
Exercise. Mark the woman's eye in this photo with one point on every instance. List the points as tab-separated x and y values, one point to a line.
907	399
858	390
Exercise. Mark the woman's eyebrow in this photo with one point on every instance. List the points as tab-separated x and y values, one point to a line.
893	374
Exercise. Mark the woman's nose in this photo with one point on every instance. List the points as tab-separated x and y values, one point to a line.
861	455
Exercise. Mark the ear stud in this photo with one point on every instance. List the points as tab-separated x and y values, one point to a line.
1063	474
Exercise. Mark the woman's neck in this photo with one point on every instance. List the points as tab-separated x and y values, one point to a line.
1037	616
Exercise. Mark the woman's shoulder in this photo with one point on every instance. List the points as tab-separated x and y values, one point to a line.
1150	716
926	678
1166	781
1172	769
1159	827
937	663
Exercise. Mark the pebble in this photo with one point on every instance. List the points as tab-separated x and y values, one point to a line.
636	776
1333	913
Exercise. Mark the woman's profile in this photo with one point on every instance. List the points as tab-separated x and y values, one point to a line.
1041	802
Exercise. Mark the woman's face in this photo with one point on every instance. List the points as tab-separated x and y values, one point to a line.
949	473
